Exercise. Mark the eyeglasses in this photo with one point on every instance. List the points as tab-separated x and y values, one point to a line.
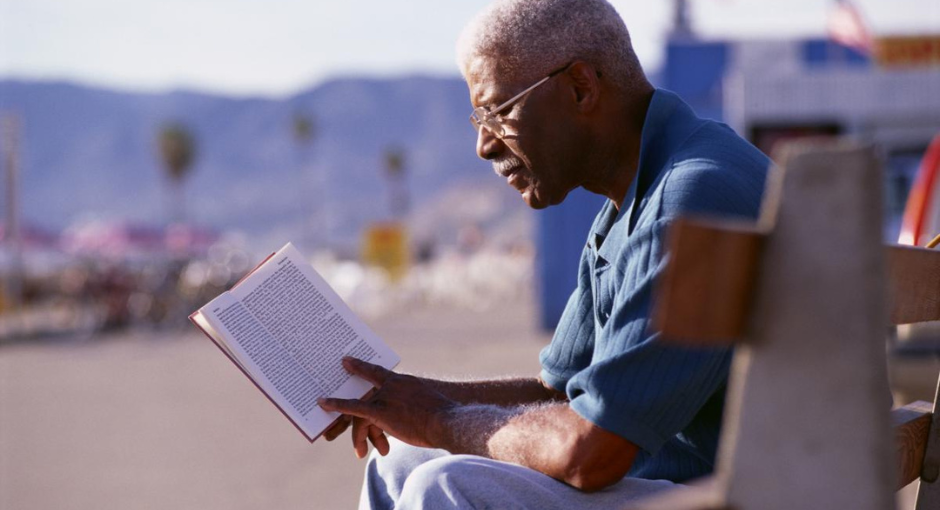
483	118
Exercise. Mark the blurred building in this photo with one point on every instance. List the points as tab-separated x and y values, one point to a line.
771	91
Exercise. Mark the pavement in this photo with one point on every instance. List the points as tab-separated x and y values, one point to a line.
148	420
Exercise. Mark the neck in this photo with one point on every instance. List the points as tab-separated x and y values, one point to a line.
619	147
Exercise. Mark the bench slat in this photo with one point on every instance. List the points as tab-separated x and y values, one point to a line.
911	425
705	294
913	280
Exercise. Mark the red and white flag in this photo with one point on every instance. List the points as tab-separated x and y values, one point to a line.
847	27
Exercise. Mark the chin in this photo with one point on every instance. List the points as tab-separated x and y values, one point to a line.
534	201
538	201
536	205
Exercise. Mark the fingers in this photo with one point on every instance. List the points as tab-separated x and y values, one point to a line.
378	439
372	373
362	429
359	433
338	427
344	406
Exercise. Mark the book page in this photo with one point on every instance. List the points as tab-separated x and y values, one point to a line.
291	330
200	320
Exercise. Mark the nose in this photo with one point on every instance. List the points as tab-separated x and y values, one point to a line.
489	145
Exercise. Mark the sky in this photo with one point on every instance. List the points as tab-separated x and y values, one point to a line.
275	48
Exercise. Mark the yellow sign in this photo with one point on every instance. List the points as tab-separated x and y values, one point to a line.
908	51
385	245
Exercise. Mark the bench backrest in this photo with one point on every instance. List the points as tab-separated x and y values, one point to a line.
806	293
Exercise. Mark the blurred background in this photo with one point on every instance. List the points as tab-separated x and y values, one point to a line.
153	152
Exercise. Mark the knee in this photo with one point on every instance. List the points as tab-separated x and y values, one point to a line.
397	455
386	476
455	478
401	460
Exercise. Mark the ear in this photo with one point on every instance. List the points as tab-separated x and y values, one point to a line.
585	86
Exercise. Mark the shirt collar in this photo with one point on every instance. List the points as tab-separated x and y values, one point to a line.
669	122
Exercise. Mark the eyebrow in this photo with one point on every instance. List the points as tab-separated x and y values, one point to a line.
485	99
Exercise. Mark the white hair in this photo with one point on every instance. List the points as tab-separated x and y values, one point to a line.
530	38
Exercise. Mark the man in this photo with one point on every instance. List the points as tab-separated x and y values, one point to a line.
560	101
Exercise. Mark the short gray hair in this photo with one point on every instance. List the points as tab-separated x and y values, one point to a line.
533	37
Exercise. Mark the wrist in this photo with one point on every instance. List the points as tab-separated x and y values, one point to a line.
441	430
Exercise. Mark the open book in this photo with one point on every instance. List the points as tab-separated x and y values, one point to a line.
288	331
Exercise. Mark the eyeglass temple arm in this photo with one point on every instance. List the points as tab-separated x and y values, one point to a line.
517	96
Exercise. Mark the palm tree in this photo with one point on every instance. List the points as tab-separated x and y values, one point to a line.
310	204
395	172
177	148
303	128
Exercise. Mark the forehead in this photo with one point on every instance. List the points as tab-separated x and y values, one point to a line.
489	83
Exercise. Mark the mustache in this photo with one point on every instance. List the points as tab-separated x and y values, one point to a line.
504	165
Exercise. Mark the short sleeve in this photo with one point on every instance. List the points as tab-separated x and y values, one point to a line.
572	345
636	386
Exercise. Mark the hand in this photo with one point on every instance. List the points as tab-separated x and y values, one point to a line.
361	430
403	405
338	427
342	423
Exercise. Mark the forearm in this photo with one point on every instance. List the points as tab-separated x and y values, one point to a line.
549	438
507	433
499	392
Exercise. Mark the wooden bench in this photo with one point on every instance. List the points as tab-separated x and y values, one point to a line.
806	294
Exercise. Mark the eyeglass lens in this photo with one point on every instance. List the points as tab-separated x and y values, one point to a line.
481	118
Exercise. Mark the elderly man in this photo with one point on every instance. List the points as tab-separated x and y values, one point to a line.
560	101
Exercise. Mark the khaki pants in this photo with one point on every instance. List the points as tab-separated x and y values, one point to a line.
411	478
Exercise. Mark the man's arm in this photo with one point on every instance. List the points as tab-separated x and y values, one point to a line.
499	392
548	437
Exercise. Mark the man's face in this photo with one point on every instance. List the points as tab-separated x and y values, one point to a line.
533	153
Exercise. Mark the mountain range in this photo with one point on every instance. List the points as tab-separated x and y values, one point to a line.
89	153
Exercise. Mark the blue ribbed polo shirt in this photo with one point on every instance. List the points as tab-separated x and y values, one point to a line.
615	370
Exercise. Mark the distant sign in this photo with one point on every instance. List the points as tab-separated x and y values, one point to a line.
908	51
385	245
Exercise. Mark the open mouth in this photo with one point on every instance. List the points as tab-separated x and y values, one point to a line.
513	171
516	180
509	172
